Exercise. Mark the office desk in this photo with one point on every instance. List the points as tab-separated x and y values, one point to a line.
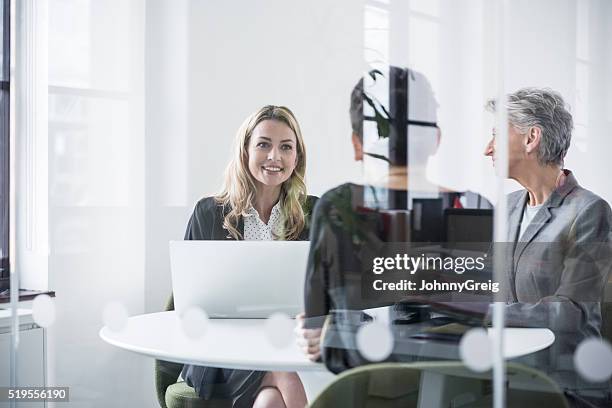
227	343
242	344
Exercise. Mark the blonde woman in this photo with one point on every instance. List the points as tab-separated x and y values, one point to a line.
263	198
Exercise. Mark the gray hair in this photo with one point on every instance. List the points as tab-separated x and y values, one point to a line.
546	109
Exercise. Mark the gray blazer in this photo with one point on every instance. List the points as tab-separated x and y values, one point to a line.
560	265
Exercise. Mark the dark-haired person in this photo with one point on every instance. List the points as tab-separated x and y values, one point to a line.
353	218
263	198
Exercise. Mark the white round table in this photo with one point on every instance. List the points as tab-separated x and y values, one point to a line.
243	344
226	343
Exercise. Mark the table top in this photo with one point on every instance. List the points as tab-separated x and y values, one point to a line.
227	343
243	344
24	295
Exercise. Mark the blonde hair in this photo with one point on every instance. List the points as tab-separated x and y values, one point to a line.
238	192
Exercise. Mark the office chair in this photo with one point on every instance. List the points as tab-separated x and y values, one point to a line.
606	313
606	319
392	385
173	394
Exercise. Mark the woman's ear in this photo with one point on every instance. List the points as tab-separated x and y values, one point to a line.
534	136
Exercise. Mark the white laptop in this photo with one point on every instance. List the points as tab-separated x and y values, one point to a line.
239	279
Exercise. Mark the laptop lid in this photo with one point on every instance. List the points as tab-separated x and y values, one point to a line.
239	279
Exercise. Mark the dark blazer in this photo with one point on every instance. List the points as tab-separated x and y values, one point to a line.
206	221
240	386
343	230
344	233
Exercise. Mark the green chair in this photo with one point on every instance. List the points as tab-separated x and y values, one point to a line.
173	394
394	385
606	320
606	313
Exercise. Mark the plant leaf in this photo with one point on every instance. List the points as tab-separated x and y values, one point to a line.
382	124
377	156
375	72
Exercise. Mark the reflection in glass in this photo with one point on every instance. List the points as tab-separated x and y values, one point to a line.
279	330
79	126
362	234
593	360
43	311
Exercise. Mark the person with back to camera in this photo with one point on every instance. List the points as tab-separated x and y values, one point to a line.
352	217
560	234
263	198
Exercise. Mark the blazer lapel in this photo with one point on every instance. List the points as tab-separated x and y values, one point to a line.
514	219
225	234
544	215
241	226
229	236
538	222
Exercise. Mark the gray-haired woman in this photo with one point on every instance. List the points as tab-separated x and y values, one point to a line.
559	233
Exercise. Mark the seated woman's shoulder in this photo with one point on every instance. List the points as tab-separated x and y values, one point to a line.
208	205
585	196
584	200
309	204
339	196
589	203
343	190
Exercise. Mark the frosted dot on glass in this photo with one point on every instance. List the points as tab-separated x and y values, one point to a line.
476	350
593	360
279	330
43	310
194	322
375	341
115	316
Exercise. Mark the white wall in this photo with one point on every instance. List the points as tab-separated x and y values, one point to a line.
226	65
564	45
559	44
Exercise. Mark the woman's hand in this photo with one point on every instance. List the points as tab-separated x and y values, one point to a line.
307	339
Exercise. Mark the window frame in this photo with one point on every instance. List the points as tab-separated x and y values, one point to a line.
5	165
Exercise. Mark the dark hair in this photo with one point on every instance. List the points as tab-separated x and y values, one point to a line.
392	121
356	109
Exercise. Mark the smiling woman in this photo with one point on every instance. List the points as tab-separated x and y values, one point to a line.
272	157
272	152
268	168
263	198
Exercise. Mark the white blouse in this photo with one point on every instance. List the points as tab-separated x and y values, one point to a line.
529	214
257	230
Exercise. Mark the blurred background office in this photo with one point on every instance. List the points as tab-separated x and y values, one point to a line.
124	113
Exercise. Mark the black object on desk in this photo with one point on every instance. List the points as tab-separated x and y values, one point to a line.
468	229
24	295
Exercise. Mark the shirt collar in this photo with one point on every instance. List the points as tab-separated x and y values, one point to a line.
275	210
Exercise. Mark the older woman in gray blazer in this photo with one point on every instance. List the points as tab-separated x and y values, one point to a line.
559	233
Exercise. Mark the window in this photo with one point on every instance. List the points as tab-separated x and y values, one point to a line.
4	142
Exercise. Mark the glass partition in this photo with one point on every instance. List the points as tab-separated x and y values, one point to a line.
418	152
